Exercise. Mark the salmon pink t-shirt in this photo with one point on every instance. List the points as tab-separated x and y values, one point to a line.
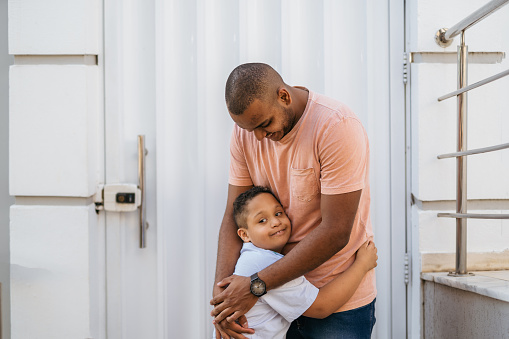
326	152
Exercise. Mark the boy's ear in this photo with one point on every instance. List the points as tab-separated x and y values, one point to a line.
242	232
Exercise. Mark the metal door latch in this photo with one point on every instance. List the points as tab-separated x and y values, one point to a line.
126	197
118	198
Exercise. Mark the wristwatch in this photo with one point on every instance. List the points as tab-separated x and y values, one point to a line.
258	287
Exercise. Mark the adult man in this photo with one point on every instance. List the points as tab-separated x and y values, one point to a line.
313	153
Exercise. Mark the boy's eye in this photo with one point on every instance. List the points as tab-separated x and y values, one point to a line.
278	214
262	220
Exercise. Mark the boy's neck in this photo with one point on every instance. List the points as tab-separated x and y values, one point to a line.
249	242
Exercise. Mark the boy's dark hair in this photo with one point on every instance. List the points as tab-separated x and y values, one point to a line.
248	82
240	204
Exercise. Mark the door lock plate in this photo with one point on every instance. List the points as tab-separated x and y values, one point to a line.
119	197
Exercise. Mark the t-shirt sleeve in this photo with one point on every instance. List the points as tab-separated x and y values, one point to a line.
251	262
239	172
292	299
344	156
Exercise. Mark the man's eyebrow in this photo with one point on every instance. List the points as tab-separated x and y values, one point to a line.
262	123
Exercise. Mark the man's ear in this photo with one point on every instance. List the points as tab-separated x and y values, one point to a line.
242	232
284	96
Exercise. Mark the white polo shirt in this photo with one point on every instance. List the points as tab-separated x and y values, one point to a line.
272	314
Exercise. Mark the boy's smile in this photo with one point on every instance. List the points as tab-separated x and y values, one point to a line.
268	227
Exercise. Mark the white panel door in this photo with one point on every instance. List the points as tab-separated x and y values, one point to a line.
166	63
129	73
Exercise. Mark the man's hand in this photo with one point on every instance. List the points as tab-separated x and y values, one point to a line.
227	330
234	301
230	330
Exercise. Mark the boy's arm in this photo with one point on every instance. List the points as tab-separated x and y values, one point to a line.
337	292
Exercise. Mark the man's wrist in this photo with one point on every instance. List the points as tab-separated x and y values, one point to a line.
257	286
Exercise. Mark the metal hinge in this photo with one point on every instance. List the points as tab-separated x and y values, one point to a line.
405	68
407	269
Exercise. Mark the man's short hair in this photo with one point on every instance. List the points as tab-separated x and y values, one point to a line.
248	82
240	204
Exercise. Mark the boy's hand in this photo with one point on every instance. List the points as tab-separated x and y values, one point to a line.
367	255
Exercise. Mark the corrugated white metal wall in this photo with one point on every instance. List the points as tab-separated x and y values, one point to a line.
341	49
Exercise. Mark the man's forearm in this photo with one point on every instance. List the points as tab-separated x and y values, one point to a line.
228	249
328	238
229	244
316	248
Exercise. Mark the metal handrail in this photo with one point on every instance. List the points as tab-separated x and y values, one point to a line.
474	216
475	85
474	151
445	36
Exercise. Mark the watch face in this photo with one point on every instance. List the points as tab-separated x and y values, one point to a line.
258	287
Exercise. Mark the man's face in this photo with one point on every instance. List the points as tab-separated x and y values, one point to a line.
268	227
265	120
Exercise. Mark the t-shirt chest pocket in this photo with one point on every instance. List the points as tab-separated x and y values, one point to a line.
303	184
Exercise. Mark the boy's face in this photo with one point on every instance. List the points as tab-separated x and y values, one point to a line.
268	227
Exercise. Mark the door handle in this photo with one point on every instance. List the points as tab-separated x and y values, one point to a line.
142	152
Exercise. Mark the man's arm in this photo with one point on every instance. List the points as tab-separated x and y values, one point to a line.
337	292
229	244
228	252
338	214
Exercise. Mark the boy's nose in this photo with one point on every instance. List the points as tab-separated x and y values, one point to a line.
276	222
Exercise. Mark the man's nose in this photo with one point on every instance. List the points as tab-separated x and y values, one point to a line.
259	133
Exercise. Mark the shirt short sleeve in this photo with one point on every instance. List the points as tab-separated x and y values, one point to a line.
344	156
292	299
239	172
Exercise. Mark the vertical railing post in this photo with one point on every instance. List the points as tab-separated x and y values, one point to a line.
461	162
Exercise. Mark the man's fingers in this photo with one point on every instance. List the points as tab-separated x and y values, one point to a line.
217	309
233	317
221	316
234	335
225	282
228	330
221	334
243	321
237	328
217	299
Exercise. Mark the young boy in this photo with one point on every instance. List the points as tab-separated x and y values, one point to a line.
265	229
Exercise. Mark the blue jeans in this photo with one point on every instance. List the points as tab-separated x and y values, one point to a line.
353	324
